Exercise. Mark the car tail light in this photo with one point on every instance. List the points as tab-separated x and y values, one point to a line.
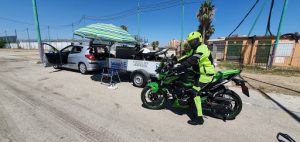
90	57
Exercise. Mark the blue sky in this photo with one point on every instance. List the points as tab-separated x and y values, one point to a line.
161	25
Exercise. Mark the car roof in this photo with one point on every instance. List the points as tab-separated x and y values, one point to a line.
82	45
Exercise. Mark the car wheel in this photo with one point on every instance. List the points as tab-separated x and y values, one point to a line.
82	68
139	78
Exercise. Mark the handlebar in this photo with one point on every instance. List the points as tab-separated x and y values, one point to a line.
168	64
174	73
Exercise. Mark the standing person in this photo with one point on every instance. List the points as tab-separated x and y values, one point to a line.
200	59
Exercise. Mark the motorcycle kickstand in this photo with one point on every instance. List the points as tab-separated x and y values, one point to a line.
224	119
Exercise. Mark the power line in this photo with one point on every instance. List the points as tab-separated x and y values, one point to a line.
268	30
116	16
134	9
15	21
244	18
144	10
31	24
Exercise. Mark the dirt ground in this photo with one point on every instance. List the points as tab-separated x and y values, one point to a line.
42	104
288	84
273	83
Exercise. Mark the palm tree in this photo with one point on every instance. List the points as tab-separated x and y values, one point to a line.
205	16
124	27
155	44
210	29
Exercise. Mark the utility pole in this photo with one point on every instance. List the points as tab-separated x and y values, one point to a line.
73	31
273	49
57	39
257	17
18	45
38	33
84	20
182	27
138	16
6	37
49	34
28	39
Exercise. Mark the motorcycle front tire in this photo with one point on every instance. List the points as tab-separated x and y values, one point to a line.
155	106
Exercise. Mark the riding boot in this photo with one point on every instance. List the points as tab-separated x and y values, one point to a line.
197	116
195	120
198	120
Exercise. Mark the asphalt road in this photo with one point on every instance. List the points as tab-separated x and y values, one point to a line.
43	104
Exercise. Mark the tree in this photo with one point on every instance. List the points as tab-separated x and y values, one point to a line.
205	17
155	44
209	31
2	43
124	27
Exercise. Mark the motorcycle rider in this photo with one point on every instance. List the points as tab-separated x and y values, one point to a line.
200	59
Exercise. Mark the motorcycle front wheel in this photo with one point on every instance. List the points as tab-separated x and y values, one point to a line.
152	100
226	105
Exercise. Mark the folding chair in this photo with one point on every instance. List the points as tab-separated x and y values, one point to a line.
110	73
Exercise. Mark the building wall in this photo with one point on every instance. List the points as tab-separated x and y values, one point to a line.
174	43
295	59
286	54
34	45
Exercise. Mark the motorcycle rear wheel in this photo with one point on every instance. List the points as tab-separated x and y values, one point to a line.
153	100
233	107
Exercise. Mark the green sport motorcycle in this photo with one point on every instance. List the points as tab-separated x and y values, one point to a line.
222	102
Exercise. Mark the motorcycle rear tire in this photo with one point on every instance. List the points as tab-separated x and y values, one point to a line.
237	109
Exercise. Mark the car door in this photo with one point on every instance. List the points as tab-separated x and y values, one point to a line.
51	56
64	55
74	57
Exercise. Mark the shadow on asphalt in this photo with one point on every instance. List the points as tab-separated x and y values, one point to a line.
124	76
62	69
293	115
56	70
186	111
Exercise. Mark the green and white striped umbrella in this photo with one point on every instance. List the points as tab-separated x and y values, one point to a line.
106	32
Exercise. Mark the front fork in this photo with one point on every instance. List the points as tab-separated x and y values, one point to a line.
156	89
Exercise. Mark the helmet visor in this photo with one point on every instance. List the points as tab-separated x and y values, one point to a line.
194	42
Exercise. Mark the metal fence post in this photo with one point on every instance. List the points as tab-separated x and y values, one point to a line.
28	39
273	49
182	27
18	45
293	54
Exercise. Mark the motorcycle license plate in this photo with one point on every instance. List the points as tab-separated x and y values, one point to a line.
245	90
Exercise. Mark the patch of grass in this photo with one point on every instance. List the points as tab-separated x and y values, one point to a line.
282	71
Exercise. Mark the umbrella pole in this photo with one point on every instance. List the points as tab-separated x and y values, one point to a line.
109	50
